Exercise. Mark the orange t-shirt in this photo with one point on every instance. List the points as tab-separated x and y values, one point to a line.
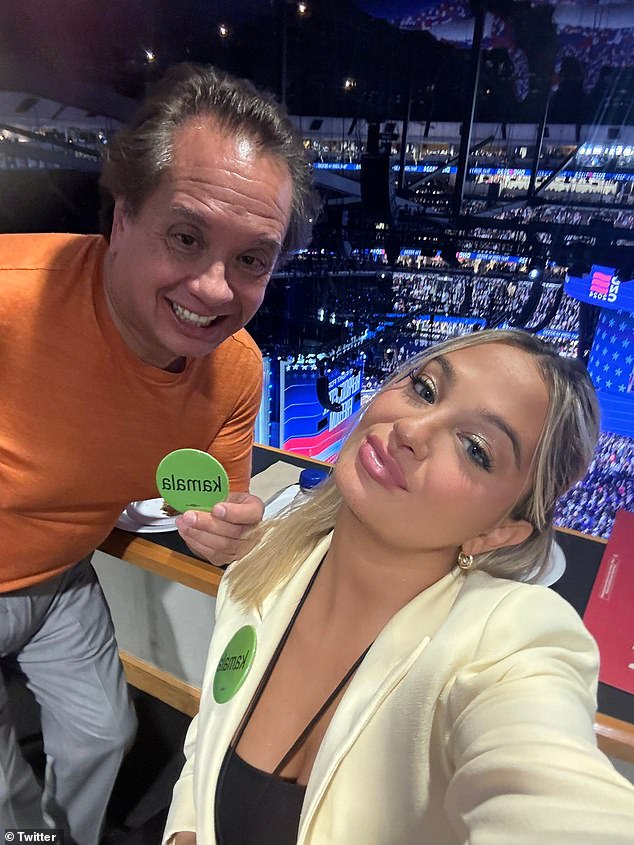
84	422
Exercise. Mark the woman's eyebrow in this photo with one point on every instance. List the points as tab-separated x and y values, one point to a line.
447	368
501	423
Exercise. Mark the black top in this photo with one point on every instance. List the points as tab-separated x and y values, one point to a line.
243	817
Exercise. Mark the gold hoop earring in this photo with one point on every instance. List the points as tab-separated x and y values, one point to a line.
465	561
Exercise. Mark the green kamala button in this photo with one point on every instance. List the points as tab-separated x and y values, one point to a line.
235	663
189	479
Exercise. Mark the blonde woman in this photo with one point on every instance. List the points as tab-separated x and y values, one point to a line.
380	673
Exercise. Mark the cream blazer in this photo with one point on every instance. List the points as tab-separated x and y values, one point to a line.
470	720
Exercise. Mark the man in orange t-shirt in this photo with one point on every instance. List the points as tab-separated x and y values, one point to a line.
115	352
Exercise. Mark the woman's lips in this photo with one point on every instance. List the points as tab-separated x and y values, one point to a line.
379	464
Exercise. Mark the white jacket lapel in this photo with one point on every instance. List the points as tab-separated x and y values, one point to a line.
392	655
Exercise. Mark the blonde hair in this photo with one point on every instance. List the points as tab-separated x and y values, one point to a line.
564	451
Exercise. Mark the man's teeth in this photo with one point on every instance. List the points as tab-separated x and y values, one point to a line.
190	316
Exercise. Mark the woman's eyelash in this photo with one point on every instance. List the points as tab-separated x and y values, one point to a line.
421	384
478	453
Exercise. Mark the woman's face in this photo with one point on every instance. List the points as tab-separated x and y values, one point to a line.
439	459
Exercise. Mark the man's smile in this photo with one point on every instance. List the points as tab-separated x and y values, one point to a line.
188	316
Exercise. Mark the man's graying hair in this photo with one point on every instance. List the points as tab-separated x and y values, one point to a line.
141	153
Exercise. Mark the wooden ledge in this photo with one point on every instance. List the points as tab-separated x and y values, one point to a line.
160	684
153	557
615	738
175	566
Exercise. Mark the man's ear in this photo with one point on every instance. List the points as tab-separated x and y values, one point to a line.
118	218
511	532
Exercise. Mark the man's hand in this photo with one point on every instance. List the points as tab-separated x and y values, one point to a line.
219	536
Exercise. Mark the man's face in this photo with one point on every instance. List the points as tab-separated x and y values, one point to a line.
191	267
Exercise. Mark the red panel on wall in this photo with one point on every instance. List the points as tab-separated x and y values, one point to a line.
609	615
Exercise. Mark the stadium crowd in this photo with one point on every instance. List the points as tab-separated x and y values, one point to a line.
608	486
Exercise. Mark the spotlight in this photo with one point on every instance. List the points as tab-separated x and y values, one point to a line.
536	271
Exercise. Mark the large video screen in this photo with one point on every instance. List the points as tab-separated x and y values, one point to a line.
317	410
